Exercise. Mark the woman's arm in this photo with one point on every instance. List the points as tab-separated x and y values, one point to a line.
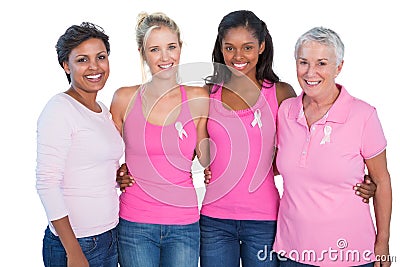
123	178
199	103
54	139
202	144
366	189
120	105
377	168
75	256
283	91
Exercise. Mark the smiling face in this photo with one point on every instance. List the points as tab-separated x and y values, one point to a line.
240	50
88	65
317	69
162	52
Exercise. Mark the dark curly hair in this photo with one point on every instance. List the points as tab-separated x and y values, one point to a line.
74	36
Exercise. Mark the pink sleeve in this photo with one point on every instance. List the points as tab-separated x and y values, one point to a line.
53	143
373	139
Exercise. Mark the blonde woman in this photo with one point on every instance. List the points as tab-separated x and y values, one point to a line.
162	124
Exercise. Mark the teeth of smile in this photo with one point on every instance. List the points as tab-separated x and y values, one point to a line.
312	83
94	76
240	65
166	66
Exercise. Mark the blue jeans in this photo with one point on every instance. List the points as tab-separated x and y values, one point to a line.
154	245
100	250
285	262
225	242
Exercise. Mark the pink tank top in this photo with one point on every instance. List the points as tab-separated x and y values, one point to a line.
160	160
242	151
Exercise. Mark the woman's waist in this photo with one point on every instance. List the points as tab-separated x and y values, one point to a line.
165	165
323	208
241	200
160	195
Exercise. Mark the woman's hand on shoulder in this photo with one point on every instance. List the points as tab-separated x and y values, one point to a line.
284	91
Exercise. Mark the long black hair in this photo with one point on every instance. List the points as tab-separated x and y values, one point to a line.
248	20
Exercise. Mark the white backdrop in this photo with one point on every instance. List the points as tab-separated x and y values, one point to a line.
30	75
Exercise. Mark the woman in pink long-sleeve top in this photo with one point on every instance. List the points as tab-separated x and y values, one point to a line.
78	152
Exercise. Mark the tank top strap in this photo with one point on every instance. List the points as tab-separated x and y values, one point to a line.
183	93
140	94
185	114
134	107
216	91
268	88
135	102
269	91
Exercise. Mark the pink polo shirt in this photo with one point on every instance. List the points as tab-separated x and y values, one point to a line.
321	221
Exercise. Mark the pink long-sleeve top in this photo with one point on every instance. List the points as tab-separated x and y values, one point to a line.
78	153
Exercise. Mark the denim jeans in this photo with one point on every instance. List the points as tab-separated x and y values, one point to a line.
285	262
226	242
100	250
154	245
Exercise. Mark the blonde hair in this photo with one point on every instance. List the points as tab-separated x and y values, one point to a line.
145	24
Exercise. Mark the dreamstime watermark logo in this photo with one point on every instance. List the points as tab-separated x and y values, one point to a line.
339	254
342	243
178	133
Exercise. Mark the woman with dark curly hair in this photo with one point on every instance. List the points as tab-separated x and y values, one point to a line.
78	152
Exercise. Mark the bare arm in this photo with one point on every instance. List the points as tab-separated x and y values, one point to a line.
75	255
119	108
283	91
377	168
120	105
199	104
202	146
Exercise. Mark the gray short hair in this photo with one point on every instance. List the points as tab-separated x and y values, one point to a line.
323	36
